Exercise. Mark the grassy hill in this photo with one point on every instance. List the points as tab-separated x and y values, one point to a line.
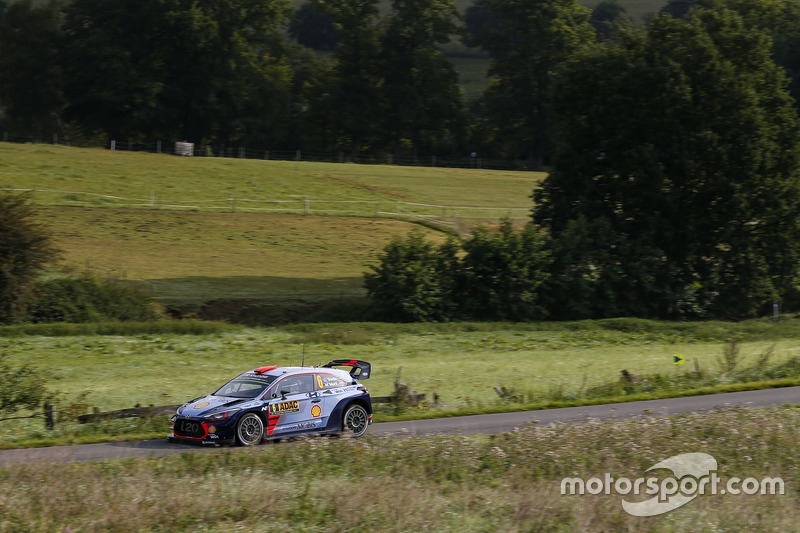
169	224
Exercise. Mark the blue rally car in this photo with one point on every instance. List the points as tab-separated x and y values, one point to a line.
277	402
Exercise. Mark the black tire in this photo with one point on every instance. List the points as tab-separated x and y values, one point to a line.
250	430
355	420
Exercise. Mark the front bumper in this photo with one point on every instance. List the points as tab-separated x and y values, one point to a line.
199	431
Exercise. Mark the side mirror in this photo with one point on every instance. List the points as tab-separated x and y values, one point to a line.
284	393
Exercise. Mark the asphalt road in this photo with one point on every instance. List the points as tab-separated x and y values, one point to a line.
465	425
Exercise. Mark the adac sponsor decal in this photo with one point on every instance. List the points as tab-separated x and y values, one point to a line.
280	408
316	411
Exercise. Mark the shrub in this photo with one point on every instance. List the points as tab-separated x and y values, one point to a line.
415	279
87	299
25	249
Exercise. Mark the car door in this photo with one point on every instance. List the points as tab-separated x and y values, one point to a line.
290	410
329	388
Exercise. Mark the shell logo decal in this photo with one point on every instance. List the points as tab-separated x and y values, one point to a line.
316	411
201	405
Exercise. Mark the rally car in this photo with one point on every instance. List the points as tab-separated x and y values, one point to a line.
274	402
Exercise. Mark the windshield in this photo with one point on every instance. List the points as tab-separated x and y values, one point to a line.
245	387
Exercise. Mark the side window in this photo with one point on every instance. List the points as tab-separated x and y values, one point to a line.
296	384
329	381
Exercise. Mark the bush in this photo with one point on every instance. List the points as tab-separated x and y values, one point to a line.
85	298
25	249
415	279
20	387
492	276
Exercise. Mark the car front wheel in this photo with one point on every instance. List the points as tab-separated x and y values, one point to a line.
355	421
250	430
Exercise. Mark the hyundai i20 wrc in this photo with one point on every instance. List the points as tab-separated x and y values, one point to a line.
274	402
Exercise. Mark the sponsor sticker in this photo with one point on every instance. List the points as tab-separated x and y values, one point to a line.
284	407
316	411
201	405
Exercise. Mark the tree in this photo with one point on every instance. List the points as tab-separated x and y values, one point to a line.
676	171
502	272
414	280
531	39
202	70
677	8
26	248
344	101
30	74
420	92
606	16
781	20
314	29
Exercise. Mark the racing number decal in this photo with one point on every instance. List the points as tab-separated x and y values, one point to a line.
284	407
319	382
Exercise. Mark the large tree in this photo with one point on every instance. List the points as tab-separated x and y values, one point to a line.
675	186
26	248
200	70
527	42
30	75
344	99
420	91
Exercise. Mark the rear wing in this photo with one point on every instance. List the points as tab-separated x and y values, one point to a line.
359	370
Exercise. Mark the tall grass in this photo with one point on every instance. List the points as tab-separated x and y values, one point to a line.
509	482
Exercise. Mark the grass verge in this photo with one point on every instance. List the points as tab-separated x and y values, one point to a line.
510	482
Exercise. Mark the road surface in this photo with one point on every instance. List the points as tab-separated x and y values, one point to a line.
465	425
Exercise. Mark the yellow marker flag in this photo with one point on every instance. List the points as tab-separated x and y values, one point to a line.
677	359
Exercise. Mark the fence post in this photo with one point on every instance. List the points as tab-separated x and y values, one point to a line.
266	155
55	138
434	160
49	416
158	147
233	204
241	152
113	145
307	206
298	156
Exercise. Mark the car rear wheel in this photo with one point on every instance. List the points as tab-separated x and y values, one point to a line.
355	421
250	430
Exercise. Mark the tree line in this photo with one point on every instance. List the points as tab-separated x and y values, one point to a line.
674	190
674	184
331	76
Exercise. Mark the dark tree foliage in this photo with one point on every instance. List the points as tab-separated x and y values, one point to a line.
531	39
420	94
202	70
781	20
606	16
477	20
677	8
502	272
675	187
414	280
25	249
314	29
343	100
30	73
493	275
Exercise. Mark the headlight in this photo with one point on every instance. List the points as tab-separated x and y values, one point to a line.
220	415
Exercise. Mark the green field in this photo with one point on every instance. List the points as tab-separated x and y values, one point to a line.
190	230
460	364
